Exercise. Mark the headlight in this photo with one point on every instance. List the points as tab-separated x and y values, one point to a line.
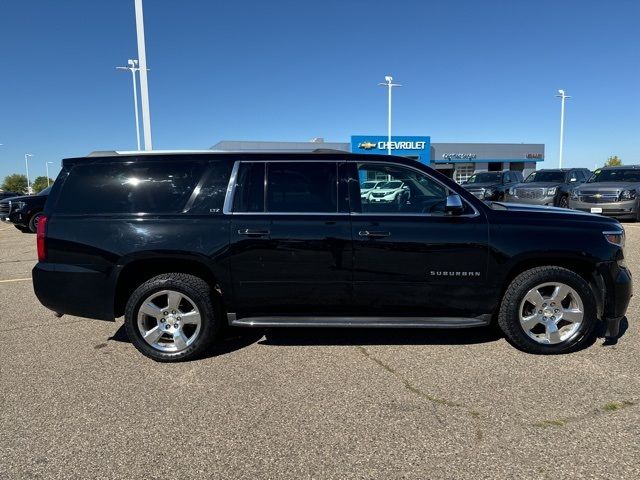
512	191
489	191
616	238
552	191
17	205
628	195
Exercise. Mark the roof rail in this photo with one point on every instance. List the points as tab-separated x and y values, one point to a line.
328	150
113	153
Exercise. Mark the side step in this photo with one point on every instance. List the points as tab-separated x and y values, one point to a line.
367	322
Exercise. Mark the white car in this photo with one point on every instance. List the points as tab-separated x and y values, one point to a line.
366	187
387	192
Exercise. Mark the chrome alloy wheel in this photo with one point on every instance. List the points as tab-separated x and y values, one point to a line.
551	313
169	321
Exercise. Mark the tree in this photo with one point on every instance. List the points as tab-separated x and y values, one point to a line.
613	161
15	183
40	183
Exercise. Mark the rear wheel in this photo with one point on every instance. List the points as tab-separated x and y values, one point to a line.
564	202
33	223
172	317
548	310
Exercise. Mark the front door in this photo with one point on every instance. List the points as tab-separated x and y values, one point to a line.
291	248
410	258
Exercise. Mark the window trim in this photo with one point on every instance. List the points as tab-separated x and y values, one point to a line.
232	187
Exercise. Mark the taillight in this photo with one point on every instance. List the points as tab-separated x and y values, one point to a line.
41	237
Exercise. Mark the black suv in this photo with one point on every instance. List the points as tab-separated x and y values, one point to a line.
25	212
492	185
182	244
551	187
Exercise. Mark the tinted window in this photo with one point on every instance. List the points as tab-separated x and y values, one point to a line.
210	195
484	177
616	175
302	187
249	192
136	187
542	176
412	191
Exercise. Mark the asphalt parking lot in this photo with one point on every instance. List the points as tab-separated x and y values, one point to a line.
78	401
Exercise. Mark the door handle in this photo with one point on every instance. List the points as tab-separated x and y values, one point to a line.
367	233
253	233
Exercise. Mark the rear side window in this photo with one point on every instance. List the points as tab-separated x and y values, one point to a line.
209	195
302	187
135	187
249	189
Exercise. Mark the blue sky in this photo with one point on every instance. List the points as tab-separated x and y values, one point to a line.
472	71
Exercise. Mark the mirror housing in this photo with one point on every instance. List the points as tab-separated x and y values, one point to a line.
454	205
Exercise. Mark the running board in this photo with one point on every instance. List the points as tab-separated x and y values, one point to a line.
367	322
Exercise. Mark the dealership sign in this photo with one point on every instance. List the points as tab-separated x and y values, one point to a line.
459	156
404	146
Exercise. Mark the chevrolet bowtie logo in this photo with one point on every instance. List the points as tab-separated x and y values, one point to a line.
367	145
597	195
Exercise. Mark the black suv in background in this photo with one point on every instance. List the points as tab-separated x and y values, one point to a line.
548	187
25	212
4	204
492	185
612	191
181	244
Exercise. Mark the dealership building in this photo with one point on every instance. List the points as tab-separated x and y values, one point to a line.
456	160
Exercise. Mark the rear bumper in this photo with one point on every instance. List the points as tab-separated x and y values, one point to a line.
73	290
619	289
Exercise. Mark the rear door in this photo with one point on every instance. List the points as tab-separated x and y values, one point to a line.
291	249
410	259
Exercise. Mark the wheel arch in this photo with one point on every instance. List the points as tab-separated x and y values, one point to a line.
137	270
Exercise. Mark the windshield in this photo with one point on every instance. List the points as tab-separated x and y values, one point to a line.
368	185
542	176
45	191
484	177
390	185
616	175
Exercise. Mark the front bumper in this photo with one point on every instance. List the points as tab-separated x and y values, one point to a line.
622	210
619	290
543	201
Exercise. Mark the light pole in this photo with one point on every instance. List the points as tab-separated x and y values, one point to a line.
26	162
388	82
563	97
47	166
144	87
133	68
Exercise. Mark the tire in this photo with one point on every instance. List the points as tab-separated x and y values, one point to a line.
33	223
23	229
563	202
182	340
516	312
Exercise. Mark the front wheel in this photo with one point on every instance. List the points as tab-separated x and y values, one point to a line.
548	310
172	317
564	202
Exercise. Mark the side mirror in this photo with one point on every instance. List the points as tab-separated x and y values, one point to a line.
572	180
453	205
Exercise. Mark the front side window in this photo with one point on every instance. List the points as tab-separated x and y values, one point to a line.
405	191
484	177
302	187
548	176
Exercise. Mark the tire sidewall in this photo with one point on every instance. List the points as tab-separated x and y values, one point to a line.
32	223
510	313
204	305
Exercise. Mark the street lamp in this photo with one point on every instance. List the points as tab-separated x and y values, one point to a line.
388	82
144	86
47	165
26	162
563	97
133	68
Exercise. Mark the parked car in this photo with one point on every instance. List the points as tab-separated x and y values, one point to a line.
366	187
612	191
4	204
492	185
389	192
183	243
25	212
548	187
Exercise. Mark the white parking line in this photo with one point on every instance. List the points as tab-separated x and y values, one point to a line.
15	280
